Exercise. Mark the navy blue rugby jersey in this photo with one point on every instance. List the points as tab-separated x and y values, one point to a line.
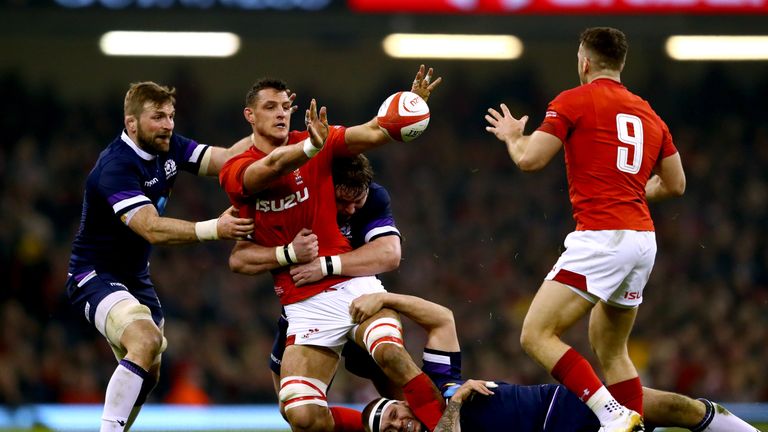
512	407
371	221
125	178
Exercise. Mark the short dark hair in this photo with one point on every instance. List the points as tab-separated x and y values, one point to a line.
609	46
146	91
352	175
261	84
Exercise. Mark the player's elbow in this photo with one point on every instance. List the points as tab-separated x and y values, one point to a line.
238	265
678	187
528	164
390	257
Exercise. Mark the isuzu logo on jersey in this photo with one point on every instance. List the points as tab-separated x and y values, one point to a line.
281	204
170	168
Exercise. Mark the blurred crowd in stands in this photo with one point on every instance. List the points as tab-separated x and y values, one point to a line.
478	237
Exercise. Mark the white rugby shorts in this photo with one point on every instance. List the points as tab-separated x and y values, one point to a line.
324	319
610	265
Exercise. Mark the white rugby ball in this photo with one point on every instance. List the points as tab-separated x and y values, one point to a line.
403	116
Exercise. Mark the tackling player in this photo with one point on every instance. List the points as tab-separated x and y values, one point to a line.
491	406
284	182
613	143
125	197
365	218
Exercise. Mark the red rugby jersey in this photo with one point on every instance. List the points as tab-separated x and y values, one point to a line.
303	198
612	141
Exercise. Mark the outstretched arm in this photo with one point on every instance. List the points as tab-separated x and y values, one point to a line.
529	152
367	136
287	158
158	230
437	320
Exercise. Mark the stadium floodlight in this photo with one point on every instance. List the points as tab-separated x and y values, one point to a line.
453	46
725	48
169	44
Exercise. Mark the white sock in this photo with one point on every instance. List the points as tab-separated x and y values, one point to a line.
122	391
604	405
724	421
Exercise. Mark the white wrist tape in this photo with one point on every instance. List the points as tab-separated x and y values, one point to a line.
330	265
207	230
309	149
286	255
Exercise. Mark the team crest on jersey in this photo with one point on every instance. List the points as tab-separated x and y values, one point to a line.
297	177
170	168
346	230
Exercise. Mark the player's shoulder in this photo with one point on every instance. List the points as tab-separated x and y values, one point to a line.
378	193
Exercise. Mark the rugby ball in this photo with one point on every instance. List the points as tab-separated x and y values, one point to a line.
403	116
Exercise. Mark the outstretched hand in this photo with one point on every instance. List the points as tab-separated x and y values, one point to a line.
423	84
231	227
504	125
317	124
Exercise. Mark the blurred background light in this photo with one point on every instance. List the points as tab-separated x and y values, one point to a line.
727	48
453	46
169	44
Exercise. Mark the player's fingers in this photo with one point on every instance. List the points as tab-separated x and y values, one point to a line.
324	116
505	110
435	83
491	120
496	115
524	119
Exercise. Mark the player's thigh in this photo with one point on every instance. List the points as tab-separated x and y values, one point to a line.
309	361
111	303
554	309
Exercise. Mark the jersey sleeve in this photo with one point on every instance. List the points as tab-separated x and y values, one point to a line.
562	114
443	368
379	221
189	154
231	178
338	142
667	145
120	185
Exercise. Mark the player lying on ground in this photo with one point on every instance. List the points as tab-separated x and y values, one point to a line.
479	405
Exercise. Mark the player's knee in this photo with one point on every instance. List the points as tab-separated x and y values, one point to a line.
527	340
144	336
384	341
304	402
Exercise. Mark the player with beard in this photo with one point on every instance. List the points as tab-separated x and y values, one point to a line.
365	218
284	182
492	406
126	194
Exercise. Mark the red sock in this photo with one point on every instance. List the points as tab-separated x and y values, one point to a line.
425	400
576	375
629	393
346	419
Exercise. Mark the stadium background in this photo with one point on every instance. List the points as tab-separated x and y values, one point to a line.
478	234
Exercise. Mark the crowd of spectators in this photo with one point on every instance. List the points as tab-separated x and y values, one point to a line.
478	236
